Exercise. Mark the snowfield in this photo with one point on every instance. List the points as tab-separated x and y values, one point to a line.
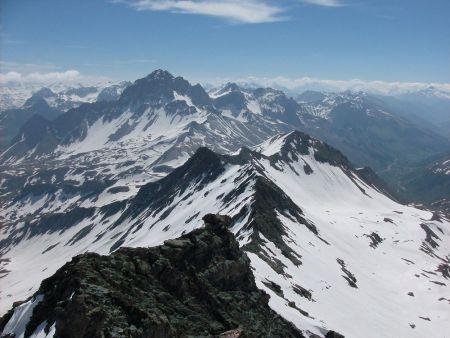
346	257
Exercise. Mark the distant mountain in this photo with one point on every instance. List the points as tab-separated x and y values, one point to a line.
13	97
318	235
59	96
427	107
12	120
429	181
112	93
159	109
321	104
360	125
244	104
370	133
50	104
67	99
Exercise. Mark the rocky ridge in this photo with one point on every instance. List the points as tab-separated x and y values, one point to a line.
200	284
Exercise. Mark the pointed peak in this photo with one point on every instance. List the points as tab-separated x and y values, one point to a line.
160	88
36	101
232	86
160	74
44	92
228	88
156	87
304	144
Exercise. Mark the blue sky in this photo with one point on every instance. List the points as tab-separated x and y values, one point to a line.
206	40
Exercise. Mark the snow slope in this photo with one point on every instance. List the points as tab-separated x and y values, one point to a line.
331	250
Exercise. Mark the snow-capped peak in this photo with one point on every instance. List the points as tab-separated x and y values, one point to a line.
226	89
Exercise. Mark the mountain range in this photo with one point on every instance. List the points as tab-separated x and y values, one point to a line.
16	108
364	127
325	237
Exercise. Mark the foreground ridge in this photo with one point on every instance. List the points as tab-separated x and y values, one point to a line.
200	284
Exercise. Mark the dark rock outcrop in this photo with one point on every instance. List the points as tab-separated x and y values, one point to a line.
333	334
200	284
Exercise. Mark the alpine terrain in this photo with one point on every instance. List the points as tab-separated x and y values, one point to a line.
328	245
290	179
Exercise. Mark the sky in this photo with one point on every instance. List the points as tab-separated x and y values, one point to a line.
385	43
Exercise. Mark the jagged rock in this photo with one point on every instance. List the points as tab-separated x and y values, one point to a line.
200	284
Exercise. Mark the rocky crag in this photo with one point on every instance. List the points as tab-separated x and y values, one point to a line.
199	285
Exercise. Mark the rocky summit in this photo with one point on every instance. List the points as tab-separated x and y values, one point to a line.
198	285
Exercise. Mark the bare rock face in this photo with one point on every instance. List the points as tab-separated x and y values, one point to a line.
200	284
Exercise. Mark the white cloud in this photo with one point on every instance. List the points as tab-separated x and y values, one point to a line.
310	83
67	76
15	73
241	11
10	77
324	3
71	76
